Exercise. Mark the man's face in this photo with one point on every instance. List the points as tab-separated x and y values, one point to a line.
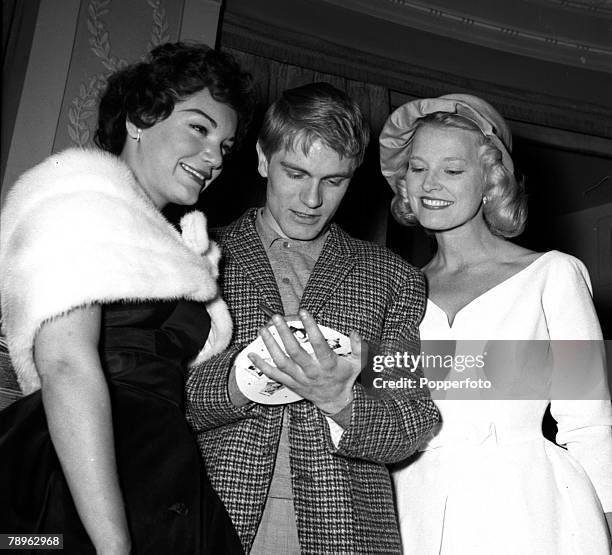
304	190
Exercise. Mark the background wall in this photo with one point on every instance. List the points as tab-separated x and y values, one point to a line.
67	50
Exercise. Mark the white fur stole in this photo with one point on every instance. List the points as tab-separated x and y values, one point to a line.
77	229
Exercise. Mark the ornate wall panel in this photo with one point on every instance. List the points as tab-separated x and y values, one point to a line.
76	45
110	34
576	33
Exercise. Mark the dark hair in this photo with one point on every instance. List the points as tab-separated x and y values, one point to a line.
317	111
505	211
145	93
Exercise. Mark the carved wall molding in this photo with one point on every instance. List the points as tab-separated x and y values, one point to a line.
83	106
159	29
520	33
598	7
249	35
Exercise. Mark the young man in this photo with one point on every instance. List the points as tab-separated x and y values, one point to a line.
310	476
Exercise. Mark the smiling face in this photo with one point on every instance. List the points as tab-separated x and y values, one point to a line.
304	190
178	157
444	180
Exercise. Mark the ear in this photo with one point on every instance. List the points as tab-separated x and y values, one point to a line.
262	163
132	130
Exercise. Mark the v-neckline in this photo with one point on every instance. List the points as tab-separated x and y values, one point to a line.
484	293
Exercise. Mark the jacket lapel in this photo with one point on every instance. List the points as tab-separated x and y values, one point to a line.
334	263
244	245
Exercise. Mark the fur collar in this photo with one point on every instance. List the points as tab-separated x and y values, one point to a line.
78	229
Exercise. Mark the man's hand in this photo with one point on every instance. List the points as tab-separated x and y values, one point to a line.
323	377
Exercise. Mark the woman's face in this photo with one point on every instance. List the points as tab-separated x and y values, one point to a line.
178	157
444	179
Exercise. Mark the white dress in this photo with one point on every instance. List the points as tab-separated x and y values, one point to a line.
487	481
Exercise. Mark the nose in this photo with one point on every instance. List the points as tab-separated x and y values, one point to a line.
212	156
310	194
431	182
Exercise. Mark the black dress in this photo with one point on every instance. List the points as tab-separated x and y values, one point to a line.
171	506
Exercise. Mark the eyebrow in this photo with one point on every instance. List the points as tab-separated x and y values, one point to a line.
200	112
447	159
290	166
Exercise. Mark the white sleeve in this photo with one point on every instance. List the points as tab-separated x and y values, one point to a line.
584	426
568	301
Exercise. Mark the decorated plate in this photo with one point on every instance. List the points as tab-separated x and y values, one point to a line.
255	385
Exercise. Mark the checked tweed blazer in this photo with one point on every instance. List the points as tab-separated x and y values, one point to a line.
342	495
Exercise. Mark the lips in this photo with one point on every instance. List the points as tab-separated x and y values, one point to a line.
434	203
200	176
303	216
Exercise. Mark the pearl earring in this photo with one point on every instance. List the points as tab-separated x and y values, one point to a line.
138	135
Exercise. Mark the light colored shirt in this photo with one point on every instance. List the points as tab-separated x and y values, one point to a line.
292	263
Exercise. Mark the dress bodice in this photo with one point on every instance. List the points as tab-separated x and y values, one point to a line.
512	325
548	299
147	345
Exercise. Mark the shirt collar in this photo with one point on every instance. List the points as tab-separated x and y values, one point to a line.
269	236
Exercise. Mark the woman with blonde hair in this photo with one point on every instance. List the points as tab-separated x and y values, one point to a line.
487	481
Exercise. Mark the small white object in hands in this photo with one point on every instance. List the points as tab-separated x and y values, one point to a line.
256	386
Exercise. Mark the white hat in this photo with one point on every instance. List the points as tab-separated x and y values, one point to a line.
400	127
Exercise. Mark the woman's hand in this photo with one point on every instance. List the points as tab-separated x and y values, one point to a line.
77	404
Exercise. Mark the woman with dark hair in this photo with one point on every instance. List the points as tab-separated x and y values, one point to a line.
487	481
104	306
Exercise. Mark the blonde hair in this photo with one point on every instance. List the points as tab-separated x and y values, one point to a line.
505	211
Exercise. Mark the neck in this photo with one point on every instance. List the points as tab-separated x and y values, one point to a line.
464	246
267	217
129	157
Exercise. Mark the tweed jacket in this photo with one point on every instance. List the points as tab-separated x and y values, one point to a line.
342	495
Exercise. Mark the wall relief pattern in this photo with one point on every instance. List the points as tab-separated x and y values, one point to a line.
102	20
